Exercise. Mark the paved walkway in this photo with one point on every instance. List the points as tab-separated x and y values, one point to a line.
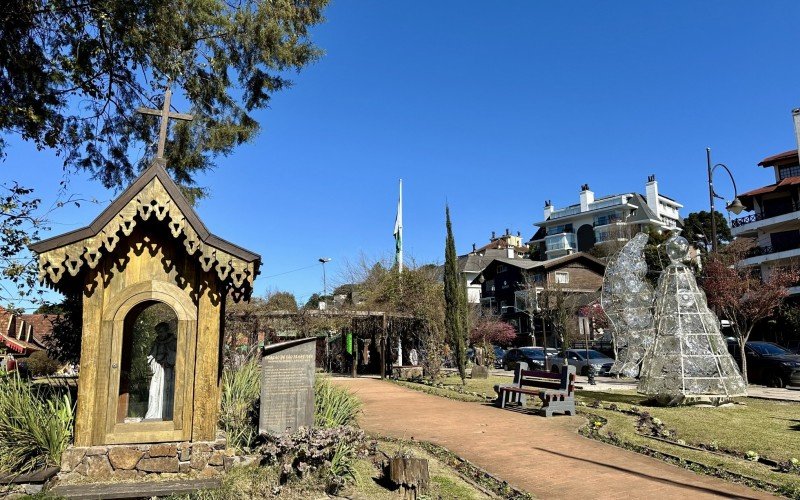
545	457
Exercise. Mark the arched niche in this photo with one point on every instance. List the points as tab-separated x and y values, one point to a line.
123	422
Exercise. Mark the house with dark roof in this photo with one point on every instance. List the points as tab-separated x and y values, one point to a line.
506	284
470	265
774	221
596	221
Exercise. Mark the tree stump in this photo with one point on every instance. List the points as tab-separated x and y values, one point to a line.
410	474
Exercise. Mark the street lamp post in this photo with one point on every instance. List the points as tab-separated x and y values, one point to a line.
735	206
323	261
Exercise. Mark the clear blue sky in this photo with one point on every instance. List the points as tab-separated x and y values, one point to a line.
493	108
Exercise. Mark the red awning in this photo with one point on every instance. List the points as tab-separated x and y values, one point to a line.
17	345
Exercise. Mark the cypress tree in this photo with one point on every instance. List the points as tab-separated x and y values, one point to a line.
455	303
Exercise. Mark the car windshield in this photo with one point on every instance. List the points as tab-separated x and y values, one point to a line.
592	354
532	353
767	349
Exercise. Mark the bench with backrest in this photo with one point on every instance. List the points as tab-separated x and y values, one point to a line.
556	391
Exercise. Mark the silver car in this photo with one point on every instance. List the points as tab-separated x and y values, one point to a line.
578	359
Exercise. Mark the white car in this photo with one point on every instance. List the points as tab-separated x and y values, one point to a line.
577	358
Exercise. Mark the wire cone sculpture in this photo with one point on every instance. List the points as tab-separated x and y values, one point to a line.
627	299
688	359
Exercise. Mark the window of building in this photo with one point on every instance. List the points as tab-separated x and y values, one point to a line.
563	228
611	218
562	277
789	171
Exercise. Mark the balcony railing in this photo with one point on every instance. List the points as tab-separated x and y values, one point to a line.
757	251
749	219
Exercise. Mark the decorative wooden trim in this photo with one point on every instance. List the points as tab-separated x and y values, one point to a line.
153	200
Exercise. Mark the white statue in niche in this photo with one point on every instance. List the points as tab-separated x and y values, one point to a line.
162	363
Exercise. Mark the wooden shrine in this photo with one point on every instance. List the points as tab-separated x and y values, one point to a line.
147	268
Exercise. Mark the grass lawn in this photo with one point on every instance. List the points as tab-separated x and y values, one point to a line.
771	429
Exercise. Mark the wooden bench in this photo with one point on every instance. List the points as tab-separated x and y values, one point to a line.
557	391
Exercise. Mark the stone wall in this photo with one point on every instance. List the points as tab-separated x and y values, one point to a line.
130	462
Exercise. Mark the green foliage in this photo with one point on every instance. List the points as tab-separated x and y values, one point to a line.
112	56
343	466
39	364
19	226
65	341
697	229
35	425
281	301
455	300
334	406
241	388
655	256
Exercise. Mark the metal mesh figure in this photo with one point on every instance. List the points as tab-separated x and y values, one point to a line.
627	299
689	358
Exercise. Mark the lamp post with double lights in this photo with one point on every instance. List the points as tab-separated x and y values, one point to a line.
735	206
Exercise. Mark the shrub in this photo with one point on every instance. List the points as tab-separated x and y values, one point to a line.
241	388
35	425
327	453
39	364
334	406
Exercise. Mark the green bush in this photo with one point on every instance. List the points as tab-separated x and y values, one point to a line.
241	388
39	364
35	426
334	406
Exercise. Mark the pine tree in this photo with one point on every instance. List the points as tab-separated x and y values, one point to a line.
455	301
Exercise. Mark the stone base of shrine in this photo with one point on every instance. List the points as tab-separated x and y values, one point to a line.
132	462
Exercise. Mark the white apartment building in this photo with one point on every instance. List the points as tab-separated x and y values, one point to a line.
595	221
775	218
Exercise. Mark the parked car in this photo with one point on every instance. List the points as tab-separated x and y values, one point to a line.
499	354
794	346
578	359
534	356
768	363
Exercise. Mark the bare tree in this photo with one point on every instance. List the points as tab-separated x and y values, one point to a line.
739	294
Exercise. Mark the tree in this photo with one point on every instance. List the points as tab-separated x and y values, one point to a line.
281	301
455	302
486	332
416	292
738	293
73	73
19	227
697	229
64	343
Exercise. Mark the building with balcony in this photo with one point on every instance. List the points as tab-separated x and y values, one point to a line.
596	221
775	219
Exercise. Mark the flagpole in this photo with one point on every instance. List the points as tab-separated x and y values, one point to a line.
400	210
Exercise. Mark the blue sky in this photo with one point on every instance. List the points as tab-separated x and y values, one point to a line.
492	108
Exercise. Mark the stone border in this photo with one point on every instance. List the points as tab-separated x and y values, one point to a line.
134	462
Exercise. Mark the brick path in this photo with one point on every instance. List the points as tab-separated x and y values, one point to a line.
545	457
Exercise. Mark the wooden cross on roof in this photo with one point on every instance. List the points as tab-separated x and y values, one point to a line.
165	115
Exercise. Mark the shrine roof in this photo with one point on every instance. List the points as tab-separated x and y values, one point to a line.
155	170
153	193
